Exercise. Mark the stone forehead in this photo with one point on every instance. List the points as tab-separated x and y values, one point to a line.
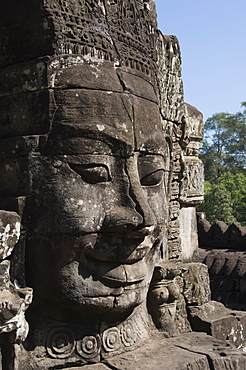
122	120
69	72
30	109
109	104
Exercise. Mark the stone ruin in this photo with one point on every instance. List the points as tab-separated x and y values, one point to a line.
223	250
100	179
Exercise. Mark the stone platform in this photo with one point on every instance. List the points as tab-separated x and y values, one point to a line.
191	351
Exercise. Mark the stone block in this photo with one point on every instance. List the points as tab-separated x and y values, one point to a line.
159	354
240	269
15	180
13	204
218	264
232	297
221	355
220	322
224	284
24	114
18	146
196	283
230	264
188	232
243	290
31	76
219	296
89	367
9	232
190	351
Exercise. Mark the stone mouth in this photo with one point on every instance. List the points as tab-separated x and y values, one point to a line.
115	255
128	272
117	249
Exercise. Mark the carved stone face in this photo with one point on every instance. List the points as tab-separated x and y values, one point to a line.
98	209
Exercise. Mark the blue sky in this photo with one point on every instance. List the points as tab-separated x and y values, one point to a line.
212	36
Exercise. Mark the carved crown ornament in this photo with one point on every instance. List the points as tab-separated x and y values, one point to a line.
123	32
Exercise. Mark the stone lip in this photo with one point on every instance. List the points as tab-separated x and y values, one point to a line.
113	271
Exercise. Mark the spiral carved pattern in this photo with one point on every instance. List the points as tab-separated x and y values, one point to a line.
60	343
128	334
111	339
89	346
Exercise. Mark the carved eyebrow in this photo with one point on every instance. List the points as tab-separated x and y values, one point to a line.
88	159
153	162
158	145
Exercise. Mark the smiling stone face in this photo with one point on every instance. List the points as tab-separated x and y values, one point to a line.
100	190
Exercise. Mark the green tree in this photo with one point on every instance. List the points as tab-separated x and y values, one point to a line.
235	184
218	204
224	157
224	145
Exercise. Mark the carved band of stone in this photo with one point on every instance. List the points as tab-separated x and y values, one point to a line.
89	346
60	343
125	33
128	334
111	339
139	327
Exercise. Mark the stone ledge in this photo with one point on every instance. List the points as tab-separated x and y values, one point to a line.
220	322
192	351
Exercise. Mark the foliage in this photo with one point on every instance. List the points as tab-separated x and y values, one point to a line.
224	157
225	199
224	145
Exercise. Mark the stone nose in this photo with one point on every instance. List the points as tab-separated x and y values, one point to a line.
122	219
134	215
139	197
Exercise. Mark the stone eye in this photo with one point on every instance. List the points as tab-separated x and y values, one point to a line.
92	173
152	179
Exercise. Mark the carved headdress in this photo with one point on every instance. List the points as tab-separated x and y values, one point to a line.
75	32
123	32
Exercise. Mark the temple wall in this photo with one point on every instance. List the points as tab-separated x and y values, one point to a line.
223	250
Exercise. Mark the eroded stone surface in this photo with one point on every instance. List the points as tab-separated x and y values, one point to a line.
220	235
175	287
9	232
99	155
220	354
93	167
227	275
13	300
220	322
189	351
